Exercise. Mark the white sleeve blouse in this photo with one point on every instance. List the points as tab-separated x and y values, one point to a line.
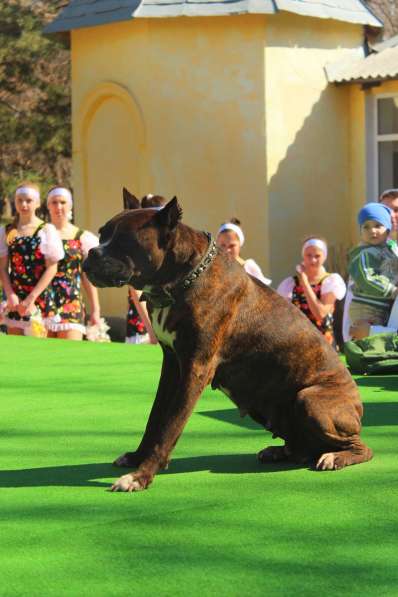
89	241
332	283
285	288
51	243
254	270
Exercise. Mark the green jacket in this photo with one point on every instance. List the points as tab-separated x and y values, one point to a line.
374	271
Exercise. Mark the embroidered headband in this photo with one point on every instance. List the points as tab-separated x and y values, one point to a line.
235	228
29	192
315	242
62	192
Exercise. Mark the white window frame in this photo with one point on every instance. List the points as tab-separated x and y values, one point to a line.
372	143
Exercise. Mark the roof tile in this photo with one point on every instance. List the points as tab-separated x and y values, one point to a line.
88	13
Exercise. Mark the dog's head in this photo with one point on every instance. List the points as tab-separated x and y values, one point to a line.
133	245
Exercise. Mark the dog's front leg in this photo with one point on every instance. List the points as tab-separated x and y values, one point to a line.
169	378
163	432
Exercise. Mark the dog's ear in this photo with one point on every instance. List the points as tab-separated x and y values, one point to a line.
129	200
170	214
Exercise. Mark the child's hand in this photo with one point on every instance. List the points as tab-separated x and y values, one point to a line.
360	329
12	302
301	273
27	306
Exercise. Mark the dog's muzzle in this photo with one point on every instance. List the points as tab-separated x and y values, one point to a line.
104	271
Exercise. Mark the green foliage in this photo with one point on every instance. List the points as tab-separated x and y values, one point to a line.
34	97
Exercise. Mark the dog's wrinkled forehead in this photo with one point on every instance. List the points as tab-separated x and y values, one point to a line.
126	222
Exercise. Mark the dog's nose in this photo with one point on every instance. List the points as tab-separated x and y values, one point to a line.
95	252
92	257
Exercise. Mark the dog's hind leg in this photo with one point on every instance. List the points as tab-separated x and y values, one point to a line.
330	428
356	454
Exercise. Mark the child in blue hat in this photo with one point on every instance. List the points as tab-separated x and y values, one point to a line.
373	267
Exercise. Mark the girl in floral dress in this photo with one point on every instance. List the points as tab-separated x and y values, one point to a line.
312	289
29	252
68	321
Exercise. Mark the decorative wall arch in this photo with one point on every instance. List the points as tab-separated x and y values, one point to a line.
109	153
85	114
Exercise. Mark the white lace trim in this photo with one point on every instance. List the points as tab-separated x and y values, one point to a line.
138	339
51	326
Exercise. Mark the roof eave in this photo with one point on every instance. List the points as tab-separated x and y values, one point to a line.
368	82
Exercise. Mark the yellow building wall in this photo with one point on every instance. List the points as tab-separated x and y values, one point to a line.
195	91
231	114
307	127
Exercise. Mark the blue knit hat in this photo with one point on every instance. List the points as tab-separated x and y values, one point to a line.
376	211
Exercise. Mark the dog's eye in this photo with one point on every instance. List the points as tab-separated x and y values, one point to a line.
105	233
125	242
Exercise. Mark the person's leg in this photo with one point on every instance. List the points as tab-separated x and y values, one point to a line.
70	335
14	331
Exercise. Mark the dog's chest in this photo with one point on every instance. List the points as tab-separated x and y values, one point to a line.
159	319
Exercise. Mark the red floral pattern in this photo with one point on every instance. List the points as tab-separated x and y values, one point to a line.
134	325
67	283
27	265
325	326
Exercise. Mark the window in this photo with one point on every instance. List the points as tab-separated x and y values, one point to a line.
386	142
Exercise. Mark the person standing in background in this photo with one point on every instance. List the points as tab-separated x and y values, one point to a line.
69	318
29	253
231	239
389	197
138	325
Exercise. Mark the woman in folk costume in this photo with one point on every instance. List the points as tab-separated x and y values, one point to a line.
312	289
68	321
29	252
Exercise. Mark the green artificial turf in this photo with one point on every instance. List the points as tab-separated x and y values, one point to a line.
215	523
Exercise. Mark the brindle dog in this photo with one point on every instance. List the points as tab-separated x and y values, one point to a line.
217	325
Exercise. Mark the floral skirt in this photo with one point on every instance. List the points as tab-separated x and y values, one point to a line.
68	316
44	303
69	308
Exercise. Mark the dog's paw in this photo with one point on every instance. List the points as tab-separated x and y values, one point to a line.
273	454
327	462
129	459
127	483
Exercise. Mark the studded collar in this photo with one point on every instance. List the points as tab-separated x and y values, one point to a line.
160	296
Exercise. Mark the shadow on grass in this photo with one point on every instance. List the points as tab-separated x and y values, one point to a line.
376	414
388	383
89	475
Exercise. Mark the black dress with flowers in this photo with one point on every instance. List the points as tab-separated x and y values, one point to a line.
325	325
66	287
135	326
27	265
